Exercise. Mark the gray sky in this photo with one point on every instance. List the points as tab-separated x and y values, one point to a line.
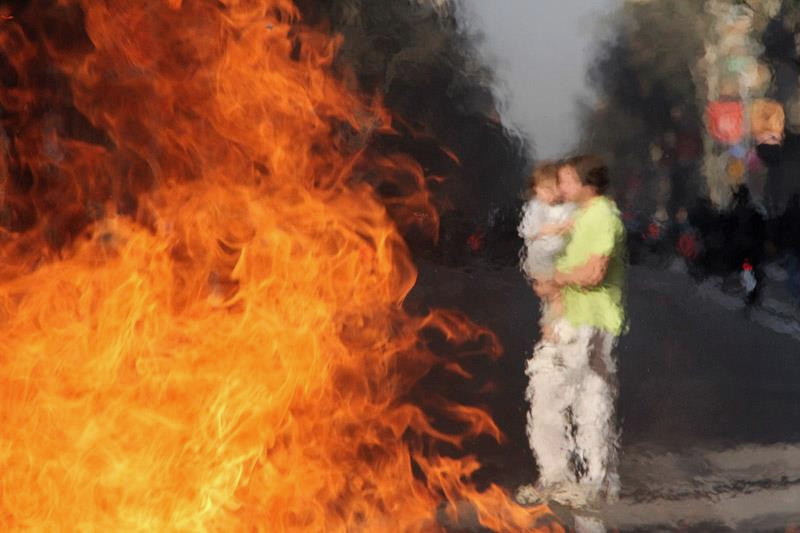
541	50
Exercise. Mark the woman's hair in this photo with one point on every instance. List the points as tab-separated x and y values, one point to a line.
591	170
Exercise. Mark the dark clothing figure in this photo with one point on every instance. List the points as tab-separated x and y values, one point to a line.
710	229
789	225
746	232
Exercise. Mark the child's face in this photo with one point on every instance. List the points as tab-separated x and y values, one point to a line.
547	193
569	183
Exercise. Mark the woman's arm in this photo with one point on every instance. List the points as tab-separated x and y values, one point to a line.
590	274
555	229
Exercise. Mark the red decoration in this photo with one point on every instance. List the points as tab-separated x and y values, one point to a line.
725	121
476	241
687	246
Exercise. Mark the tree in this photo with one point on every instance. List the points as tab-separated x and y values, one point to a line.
424	63
647	121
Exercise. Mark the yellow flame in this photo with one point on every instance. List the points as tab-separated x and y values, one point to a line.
232	353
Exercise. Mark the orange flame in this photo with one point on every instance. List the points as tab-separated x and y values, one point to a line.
201	298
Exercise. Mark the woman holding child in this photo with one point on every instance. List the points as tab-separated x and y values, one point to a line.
573	386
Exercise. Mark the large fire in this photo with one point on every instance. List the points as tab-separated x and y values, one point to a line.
201	321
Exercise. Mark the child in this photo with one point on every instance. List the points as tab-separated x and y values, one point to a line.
545	222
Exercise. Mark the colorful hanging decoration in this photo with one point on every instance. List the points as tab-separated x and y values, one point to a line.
735	169
725	121
738	151
767	120
742	65
754	163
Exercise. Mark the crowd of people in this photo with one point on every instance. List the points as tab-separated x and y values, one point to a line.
725	242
